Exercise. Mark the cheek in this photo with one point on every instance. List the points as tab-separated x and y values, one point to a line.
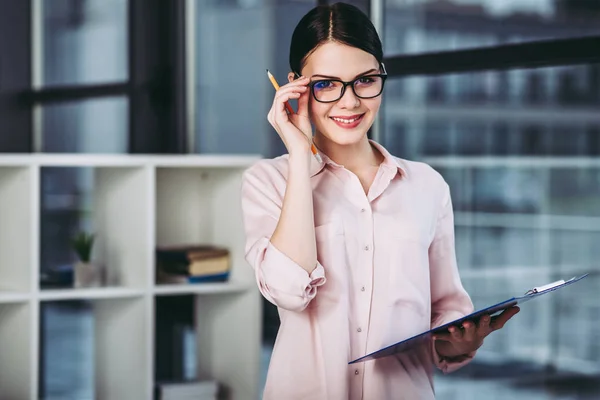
373	104
318	111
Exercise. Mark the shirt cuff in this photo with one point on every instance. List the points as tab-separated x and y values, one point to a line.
284	277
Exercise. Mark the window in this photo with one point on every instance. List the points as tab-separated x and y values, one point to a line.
501	97
235	43
69	66
83	43
418	26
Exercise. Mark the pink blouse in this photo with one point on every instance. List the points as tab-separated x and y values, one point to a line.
386	271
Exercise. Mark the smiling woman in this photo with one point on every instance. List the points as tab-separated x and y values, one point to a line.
356	251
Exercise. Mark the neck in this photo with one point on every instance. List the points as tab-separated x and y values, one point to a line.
354	157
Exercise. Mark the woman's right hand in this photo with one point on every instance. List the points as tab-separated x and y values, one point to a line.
294	129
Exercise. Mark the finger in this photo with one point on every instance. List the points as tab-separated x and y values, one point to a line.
507	314
280	107
303	103
288	94
483	327
293	89
455	333
469	332
442	336
302	81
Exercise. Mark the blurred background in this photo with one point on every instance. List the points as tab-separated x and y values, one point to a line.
501	96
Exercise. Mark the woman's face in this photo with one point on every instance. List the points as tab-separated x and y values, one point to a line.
346	121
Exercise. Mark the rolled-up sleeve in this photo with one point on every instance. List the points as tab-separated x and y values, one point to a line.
280	280
449	300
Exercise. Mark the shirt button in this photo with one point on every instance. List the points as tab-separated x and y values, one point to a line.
367	248
362	210
359	330
356	372
362	289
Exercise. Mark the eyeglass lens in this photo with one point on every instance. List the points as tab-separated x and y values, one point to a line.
331	90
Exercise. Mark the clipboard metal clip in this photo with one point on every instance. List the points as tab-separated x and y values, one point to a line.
553	285
539	289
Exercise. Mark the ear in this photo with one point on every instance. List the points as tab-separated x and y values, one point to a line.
291	76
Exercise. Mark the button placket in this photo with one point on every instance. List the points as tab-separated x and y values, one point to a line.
366	223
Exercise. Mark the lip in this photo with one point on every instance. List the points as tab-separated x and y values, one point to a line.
351	125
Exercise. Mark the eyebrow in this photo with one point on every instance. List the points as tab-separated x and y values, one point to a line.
338	78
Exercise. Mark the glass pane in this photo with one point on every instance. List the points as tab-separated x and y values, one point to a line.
520	150
546	111
67	346
84	42
415	26
363	5
233	93
575	191
89	126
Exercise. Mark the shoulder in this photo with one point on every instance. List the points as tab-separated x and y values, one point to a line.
426	180
269	174
421	172
268	168
416	173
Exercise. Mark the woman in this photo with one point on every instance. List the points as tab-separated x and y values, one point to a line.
356	251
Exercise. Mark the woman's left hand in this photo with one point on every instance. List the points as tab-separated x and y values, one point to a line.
459	342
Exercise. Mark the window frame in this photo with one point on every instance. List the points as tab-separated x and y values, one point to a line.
156	86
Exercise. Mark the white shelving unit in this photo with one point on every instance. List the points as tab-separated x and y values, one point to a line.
139	202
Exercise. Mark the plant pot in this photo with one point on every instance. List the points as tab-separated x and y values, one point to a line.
87	274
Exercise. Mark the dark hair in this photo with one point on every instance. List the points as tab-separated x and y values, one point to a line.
339	22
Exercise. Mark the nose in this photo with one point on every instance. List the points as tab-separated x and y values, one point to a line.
349	99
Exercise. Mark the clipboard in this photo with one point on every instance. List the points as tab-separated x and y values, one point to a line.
425	337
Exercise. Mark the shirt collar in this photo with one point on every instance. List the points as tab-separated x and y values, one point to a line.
389	162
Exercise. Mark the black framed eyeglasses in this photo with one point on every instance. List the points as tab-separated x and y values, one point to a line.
364	87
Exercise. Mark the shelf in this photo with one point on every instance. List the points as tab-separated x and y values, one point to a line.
132	203
128	160
201	288
90	293
13	297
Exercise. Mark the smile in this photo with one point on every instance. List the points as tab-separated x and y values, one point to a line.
351	121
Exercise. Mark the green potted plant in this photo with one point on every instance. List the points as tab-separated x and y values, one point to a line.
86	273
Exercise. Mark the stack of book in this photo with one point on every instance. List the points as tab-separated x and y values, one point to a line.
192	264
204	390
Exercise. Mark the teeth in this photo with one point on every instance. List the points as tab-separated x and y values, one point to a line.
345	121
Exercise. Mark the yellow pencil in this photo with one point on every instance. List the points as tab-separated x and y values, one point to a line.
291	111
